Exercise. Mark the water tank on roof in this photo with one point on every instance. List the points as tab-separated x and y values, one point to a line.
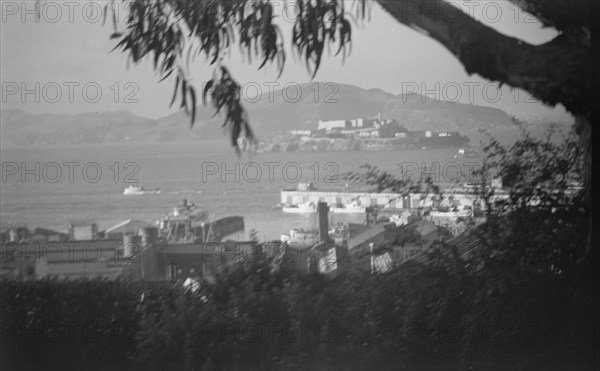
131	245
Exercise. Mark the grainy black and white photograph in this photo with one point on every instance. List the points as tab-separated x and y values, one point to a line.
297	185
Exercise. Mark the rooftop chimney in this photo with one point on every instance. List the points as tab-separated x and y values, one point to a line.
322	215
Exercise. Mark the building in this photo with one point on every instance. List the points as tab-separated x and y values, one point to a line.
334	124
48	235
83	231
302	132
132	248
367	133
412	239
362	127
18	234
143	256
404	218
385	245
357	123
392	130
375	234
328	254
66	259
196	260
127	227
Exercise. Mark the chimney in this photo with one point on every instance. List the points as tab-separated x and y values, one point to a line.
379	116
322	215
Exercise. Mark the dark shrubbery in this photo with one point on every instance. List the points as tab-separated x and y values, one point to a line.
51	324
444	315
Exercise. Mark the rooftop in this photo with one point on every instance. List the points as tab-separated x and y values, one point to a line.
127	226
48	232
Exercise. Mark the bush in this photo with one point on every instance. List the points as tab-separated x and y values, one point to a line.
443	314
75	325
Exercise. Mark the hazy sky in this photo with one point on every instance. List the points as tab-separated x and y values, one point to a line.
68	49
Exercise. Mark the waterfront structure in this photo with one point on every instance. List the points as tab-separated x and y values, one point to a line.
461	200
303	208
353	207
381	200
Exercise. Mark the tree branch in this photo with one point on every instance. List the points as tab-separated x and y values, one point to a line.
555	72
572	16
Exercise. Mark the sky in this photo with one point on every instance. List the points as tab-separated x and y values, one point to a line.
61	62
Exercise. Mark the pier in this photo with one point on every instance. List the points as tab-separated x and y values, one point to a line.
380	200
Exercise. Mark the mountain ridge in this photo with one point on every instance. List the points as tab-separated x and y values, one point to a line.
283	110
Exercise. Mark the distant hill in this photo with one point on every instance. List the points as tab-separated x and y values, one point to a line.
267	118
21	128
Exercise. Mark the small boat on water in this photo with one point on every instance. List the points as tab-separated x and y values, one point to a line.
140	190
467	153
135	191
305	208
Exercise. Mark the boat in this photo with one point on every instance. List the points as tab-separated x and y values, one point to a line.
139	190
353	207
467	153
181	224
189	210
308	186
135	190
304	208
